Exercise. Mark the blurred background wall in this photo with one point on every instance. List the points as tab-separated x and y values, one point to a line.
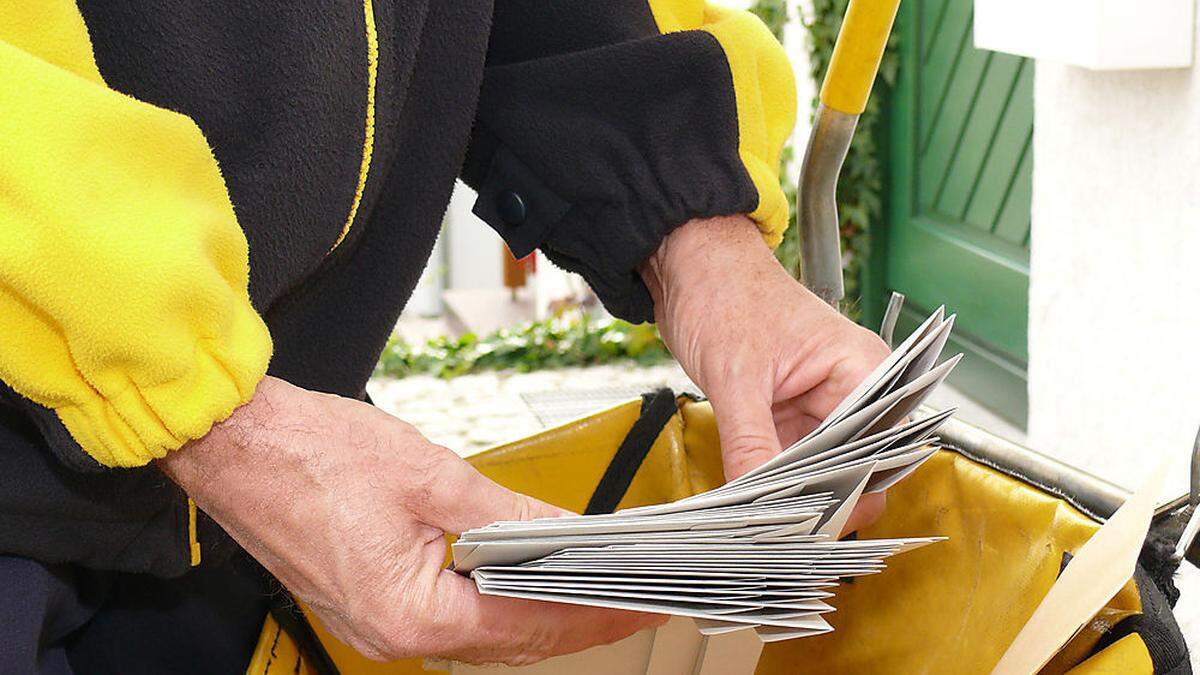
1114	306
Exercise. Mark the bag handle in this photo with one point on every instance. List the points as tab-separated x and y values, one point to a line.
857	53
657	408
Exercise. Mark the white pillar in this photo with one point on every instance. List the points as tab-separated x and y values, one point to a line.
1114	324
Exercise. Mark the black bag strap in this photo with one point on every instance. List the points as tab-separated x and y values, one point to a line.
657	409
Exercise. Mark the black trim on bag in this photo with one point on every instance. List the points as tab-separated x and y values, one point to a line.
291	619
657	409
1155	626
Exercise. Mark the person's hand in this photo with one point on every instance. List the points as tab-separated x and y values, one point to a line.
348	505
773	359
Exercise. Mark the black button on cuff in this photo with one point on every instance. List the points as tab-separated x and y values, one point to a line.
510	207
515	202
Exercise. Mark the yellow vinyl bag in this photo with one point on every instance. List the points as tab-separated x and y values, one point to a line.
952	607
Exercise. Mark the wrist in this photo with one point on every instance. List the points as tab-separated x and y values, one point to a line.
226	443
700	248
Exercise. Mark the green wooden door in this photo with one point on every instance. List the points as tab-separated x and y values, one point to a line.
960	129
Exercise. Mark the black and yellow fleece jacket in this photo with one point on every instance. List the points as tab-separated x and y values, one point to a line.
193	194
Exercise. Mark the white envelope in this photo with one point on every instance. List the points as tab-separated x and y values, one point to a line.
879	377
758	552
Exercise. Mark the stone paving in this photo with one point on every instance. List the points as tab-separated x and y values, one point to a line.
473	412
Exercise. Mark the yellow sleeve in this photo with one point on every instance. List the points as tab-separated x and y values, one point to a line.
123	270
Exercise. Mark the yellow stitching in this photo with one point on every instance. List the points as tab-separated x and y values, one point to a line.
193	540
369	127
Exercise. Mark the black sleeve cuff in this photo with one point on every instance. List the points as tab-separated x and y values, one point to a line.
595	156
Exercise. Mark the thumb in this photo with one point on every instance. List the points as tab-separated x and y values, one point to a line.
460	498
746	427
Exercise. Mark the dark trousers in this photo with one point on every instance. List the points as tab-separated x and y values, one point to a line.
63	619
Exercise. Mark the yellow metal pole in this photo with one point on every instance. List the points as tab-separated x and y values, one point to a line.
856	56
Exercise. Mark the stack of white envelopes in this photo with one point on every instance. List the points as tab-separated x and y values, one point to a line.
760	551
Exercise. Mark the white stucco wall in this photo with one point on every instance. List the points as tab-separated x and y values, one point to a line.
1114	321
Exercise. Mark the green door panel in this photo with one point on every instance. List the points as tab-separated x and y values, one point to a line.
1012	225
991	380
940	55
1003	172
974	144
960	182
933	264
951	117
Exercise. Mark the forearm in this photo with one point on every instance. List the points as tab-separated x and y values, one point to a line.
715	270
249	470
348	507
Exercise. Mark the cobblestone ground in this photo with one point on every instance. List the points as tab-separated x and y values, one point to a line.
473	412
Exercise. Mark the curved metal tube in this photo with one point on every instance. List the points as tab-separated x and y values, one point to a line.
820	236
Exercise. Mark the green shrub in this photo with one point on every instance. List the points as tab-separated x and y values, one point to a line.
573	339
